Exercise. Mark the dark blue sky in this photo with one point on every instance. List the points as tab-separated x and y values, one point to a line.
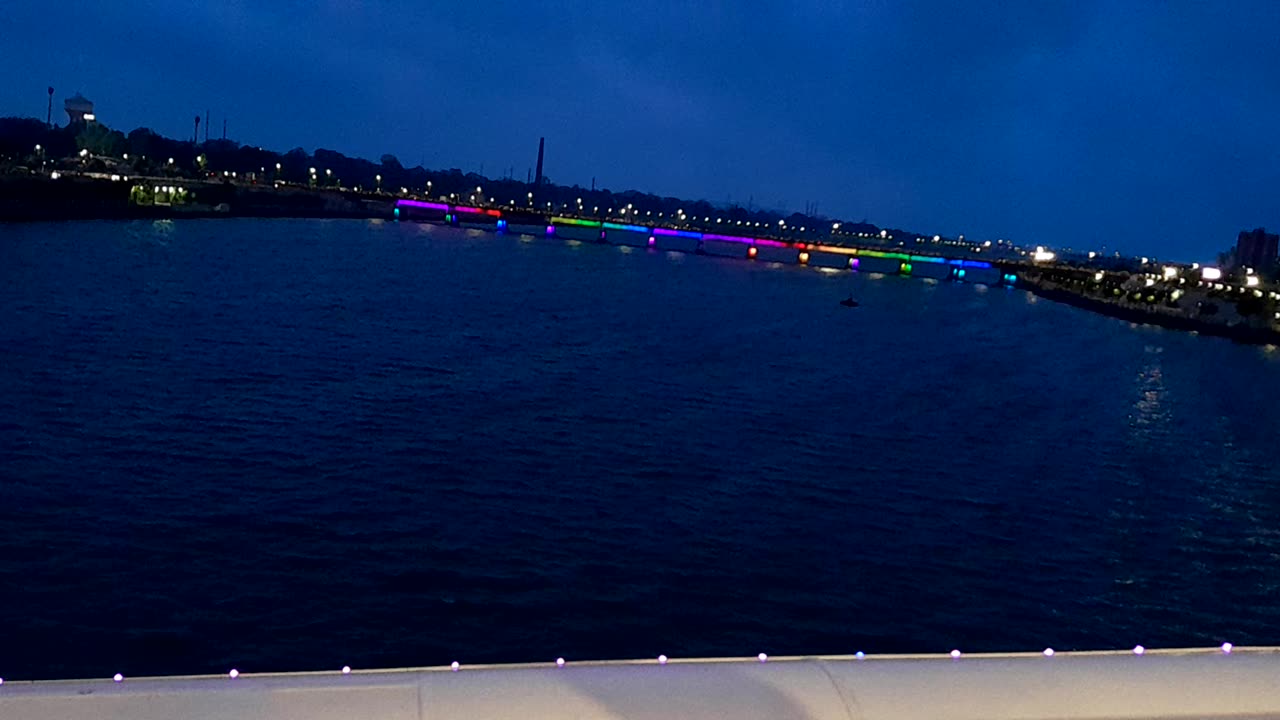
1149	127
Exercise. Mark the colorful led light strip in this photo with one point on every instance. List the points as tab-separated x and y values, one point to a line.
575	221
728	238
901	256
477	211
836	250
423	205
629	228
677	233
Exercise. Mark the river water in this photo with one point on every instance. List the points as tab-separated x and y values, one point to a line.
294	445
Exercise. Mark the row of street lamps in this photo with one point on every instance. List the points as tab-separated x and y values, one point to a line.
629	211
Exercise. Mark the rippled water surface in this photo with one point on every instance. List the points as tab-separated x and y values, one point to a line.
288	445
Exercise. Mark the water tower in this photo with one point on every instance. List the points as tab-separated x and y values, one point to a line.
79	109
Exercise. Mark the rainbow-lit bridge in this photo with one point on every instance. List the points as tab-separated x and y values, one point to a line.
798	252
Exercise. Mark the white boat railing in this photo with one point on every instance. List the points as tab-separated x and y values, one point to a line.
1218	683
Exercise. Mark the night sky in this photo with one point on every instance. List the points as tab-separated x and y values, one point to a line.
1150	127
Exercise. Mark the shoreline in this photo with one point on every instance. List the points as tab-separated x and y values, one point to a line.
25	199
1244	334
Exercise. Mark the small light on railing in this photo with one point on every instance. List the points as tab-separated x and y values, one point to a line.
1048	652
1138	650
559	662
346	669
762	657
662	659
118	677
1227	648
454	666
955	654
234	673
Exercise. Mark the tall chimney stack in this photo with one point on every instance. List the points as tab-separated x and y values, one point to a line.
537	177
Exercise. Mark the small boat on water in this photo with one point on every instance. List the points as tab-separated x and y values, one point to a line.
849	302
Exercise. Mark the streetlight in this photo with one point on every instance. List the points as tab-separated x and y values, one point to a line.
379	179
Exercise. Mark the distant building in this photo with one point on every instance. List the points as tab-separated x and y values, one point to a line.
1256	249
79	109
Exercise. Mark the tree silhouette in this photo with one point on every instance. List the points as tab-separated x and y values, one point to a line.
99	139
